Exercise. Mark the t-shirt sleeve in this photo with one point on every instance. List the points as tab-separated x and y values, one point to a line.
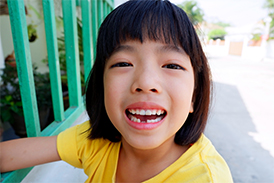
68	142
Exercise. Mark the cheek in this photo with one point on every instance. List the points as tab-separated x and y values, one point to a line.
113	93
181	92
109	92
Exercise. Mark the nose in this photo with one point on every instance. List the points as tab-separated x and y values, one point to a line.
146	80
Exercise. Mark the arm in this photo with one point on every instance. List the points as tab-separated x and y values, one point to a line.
27	152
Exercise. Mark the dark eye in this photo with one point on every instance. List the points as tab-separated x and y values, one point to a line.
173	66
122	64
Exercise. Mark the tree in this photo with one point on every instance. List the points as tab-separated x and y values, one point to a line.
194	12
269	5
217	34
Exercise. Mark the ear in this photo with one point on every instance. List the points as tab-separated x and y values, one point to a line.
191	108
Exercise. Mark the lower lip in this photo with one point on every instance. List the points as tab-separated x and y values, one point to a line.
144	126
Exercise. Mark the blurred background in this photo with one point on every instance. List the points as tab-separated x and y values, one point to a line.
238	39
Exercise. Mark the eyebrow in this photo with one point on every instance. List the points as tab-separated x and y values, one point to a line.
167	48
160	49
123	48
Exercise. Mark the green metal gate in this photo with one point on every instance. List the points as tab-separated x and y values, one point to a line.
93	12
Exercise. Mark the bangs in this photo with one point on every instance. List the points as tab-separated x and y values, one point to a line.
146	20
152	23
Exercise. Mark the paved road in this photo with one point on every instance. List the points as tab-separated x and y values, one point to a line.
241	124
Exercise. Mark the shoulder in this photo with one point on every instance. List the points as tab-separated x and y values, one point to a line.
200	163
75	147
212	161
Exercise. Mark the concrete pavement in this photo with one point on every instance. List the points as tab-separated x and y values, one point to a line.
241	124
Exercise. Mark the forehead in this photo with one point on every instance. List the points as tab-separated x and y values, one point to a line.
157	46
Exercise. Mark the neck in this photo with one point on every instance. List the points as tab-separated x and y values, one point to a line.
167	149
137	165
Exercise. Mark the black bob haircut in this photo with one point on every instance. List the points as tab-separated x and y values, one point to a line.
154	20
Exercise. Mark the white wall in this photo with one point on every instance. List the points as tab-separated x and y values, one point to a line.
38	47
270	50
6	37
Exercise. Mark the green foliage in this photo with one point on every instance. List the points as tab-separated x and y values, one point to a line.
11	103
222	24
256	37
8	105
269	5
194	12
217	34
32	32
271	30
62	54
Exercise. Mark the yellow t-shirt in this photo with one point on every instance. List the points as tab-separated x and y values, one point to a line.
201	163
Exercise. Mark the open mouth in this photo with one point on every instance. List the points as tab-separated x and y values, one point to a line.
145	115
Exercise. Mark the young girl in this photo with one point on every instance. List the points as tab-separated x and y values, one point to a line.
147	98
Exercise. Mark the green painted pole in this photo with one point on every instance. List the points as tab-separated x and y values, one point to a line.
78	2
100	12
53	60
72	52
94	25
24	66
87	36
15	176
105	7
110	3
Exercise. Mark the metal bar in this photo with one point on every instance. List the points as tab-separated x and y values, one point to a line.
78	2
15	176
94	25
72	52
100	12
71	115
24	66
53	60
105	7
87	35
110	3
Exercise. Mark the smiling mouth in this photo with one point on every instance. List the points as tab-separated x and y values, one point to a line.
145	116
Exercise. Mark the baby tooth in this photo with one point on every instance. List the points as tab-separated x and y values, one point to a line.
135	119
158	119
142	112
159	112
148	112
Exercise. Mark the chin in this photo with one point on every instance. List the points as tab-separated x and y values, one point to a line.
145	143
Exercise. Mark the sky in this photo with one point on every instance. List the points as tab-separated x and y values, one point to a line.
234	12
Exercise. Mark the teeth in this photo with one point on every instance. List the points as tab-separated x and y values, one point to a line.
132	118
154	120
142	112
146	112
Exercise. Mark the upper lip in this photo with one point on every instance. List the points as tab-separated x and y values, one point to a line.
145	105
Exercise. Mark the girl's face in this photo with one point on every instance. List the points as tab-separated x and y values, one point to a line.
148	92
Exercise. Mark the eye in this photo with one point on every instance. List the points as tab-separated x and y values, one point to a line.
173	66
121	64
